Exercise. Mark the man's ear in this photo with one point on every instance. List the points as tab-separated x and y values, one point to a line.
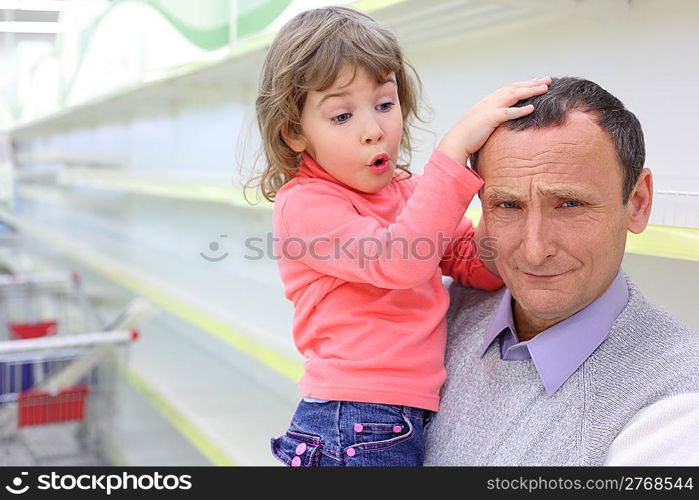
640	202
296	142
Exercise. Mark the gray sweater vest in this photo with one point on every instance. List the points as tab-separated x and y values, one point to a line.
496	412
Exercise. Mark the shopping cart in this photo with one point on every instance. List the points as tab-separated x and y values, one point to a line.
58	368
42	304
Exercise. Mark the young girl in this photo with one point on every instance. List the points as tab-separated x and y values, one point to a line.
362	245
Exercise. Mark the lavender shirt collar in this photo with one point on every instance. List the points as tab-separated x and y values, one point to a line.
559	351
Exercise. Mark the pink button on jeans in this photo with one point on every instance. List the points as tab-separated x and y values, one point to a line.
351	452
296	462
358	427
397	428
301	449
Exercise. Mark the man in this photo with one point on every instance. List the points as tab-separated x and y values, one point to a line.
571	364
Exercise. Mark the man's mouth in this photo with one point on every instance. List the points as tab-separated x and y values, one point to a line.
543	276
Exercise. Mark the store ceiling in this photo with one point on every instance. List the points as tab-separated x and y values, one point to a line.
20	15
10	39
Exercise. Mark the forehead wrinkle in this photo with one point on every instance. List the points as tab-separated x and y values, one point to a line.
557	161
534	170
551	154
560	146
547	183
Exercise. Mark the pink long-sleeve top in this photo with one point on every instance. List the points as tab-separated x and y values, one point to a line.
364	274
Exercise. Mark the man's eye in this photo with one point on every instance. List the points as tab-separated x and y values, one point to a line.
341	118
572	204
508	204
385	106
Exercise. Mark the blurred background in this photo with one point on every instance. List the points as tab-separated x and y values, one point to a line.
126	131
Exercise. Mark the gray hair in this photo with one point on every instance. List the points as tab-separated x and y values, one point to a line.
568	94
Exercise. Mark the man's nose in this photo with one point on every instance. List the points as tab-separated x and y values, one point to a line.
372	132
537	245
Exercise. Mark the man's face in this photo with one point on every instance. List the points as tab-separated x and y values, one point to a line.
552	200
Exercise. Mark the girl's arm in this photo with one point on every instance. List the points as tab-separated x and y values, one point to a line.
318	225
463	261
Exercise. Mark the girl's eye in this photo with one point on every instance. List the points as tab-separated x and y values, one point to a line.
574	203
386	106
341	118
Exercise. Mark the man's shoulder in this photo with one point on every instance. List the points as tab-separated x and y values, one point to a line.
652	346
653	325
470	306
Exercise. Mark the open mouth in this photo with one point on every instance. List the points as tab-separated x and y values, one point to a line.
380	160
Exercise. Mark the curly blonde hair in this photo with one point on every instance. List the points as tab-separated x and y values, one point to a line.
307	54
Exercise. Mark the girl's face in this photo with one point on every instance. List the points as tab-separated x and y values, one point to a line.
353	130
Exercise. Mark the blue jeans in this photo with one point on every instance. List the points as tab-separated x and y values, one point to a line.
352	434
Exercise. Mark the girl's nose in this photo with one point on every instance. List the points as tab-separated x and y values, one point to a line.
372	133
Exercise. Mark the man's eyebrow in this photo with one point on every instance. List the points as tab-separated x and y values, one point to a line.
499	193
563	192
342	94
